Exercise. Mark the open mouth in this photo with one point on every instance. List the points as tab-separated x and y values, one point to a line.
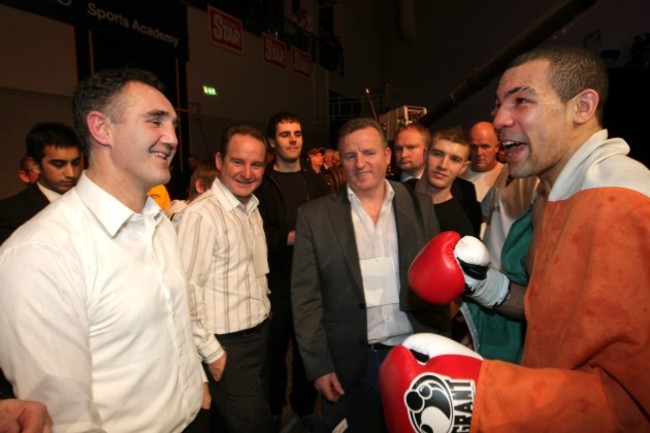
509	145
512	148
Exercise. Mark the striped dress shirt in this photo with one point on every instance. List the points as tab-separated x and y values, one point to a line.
220	238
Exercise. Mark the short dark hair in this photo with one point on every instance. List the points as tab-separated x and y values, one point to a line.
98	92
25	163
242	129
357	124
572	69
426	132
44	134
280	117
455	134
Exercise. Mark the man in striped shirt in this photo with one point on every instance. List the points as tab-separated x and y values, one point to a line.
224	253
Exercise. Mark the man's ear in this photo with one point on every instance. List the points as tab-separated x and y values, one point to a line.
99	127
23	176
272	143
218	161
586	104
466	165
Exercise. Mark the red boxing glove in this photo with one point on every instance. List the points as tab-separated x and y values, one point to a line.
435	275
433	394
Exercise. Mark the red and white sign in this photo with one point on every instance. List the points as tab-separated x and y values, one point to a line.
301	62
274	51
225	30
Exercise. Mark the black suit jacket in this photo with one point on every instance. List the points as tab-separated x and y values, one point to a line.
465	192
328	301
17	209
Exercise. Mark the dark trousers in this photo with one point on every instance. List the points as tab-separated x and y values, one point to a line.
360	407
201	423
302	395
6	390
240	398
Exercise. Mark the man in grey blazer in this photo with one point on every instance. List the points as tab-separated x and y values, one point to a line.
350	294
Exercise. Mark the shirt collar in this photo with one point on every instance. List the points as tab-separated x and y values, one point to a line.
390	193
404	176
48	193
111	212
228	200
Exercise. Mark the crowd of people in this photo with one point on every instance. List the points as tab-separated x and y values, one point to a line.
312	279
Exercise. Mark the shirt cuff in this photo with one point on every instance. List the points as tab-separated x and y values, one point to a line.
212	351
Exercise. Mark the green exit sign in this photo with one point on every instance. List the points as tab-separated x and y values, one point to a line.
210	91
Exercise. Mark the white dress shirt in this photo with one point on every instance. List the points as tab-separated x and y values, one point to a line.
94	320
386	322
48	193
223	249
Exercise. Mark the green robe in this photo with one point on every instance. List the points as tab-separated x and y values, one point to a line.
496	336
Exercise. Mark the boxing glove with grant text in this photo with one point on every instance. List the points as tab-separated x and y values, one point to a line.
428	384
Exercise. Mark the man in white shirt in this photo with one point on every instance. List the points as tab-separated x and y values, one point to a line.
100	330
485	167
224	253
350	294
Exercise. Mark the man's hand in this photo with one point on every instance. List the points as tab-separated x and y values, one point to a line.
216	368
291	238
21	416
207	398
330	387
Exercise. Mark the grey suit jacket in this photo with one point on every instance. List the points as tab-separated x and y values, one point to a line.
328	301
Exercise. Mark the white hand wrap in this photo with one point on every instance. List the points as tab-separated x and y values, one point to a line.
491	291
490	287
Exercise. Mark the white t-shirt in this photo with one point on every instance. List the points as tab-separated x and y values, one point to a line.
483	180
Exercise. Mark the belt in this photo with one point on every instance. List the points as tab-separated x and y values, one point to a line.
379	347
244	332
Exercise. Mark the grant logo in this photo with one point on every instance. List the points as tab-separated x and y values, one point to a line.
440	404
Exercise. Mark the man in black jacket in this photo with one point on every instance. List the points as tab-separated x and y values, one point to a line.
55	148
350	293
287	184
411	143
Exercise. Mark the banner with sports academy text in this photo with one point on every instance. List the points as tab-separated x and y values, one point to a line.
162	23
